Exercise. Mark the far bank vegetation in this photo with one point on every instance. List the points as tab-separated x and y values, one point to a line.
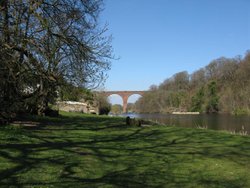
223	86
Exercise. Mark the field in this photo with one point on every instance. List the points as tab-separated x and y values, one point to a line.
78	150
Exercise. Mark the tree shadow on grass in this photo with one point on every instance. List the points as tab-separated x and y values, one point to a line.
109	153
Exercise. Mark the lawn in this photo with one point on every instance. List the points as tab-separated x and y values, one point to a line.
78	150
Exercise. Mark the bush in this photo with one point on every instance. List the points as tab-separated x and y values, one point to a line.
51	113
240	111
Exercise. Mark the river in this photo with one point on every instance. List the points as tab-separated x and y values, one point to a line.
212	121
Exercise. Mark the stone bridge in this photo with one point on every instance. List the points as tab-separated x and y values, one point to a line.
124	95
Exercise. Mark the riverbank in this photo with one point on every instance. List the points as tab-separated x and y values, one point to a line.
222	122
99	151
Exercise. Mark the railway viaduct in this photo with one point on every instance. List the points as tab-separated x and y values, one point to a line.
124	95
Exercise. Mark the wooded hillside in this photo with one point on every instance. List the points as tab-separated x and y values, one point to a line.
222	86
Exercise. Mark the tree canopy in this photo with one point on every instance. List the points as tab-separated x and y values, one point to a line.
45	44
221	86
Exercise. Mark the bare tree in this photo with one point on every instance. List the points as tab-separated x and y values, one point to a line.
47	42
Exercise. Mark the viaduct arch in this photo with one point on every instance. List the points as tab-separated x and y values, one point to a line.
124	95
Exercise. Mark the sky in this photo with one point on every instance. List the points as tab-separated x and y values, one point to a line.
154	39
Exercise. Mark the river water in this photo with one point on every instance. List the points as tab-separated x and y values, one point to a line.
212	121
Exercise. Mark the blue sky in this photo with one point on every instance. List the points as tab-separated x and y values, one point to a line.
158	38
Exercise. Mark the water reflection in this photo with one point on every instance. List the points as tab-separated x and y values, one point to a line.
216	122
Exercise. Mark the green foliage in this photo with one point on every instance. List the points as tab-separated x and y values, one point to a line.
198	101
98	151
103	104
116	109
213	99
104	110
131	107
221	86
69	92
240	111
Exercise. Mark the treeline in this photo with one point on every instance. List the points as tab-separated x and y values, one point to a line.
223	86
118	109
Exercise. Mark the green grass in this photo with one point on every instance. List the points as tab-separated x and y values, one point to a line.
89	151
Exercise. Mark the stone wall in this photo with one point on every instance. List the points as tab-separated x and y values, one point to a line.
72	106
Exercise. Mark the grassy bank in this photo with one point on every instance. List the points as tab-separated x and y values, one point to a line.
88	151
